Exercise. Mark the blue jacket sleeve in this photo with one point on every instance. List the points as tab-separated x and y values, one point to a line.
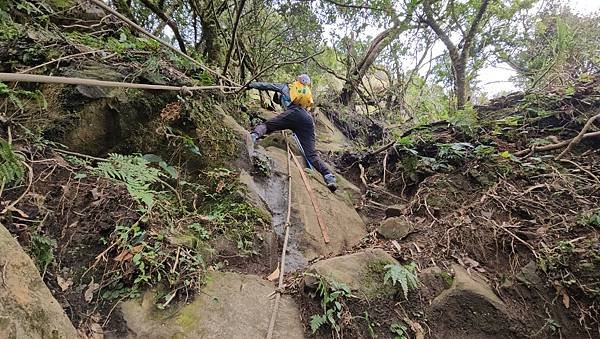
268	86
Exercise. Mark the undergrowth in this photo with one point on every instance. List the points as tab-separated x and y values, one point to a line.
331	295
169	246
11	168
404	275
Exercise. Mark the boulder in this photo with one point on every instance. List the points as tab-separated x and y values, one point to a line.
329	137
395	228
230	306
433	282
362	272
471	309
27	308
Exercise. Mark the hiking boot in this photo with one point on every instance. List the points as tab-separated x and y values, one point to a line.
254	137
330	182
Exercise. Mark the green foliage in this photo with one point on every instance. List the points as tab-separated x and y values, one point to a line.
405	275
558	48
591	220
262	165
227	211
556	261
331	295
42	250
399	331
552	325
123	43
134	171
11	168
152	259
454	151
16	97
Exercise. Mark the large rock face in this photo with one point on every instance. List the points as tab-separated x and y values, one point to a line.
470	309
27	309
344	226
231	306
362	272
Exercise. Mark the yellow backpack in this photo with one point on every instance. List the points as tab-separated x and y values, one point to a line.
300	94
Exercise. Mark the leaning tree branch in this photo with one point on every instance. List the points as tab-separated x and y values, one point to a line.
468	41
279	64
339	4
233	34
555	146
152	6
579	136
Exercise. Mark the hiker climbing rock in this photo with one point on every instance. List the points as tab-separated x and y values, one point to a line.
296	99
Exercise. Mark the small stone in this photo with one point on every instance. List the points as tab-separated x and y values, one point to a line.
529	275
395	228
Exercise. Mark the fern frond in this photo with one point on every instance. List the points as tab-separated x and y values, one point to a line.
316	321
11	168
405	275
135	172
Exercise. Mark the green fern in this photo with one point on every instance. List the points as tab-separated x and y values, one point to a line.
406	275
332	294
11	168
316	321
135	172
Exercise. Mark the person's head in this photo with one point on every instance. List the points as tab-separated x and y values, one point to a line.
304	79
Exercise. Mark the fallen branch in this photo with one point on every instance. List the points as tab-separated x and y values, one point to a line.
579	136
554	146
59	59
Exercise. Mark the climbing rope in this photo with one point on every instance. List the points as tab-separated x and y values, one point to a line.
285	241
322	225
48	79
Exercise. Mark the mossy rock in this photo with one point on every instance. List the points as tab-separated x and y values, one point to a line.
231	305
362	272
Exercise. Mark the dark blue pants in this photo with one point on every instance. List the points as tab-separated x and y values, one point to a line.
301	123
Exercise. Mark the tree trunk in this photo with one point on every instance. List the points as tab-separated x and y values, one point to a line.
458	57
124	7
211	47
380	42
151	6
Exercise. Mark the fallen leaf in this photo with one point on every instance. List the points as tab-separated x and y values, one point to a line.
416	327
64	284
565	298
96	331
95	194
273	276
470	262
89	292
14	209
137	249
123	256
